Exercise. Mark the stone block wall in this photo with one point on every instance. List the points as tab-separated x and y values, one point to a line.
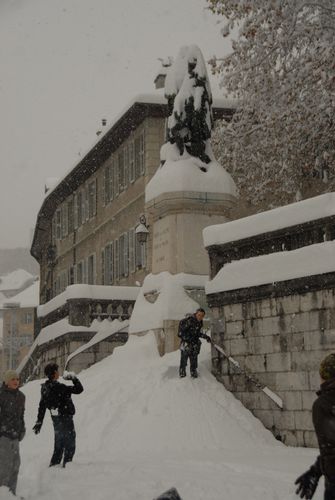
280	341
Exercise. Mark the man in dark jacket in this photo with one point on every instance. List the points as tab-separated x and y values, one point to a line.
56	397
324	423
12	429
190	332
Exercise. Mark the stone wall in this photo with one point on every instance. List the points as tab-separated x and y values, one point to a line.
280	340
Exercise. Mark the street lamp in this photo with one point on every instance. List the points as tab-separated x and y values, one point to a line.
142	230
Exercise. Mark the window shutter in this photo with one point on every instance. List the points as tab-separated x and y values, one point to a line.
75	213
126	254
116	259
102	269
132	250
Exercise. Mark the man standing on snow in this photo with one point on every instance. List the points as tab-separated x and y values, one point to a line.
12	429
190	332
324	423
56	397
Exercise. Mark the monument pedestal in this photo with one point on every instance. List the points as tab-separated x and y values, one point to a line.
176	223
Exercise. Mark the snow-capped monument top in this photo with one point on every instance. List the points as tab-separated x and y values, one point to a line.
187	160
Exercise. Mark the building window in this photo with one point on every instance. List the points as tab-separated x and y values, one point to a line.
123	255
70	216
126	166
108	185
116	259
80	272
115	172
132	250
92	199
140	254
58	224
64	220
80	208
108	264
121	171
71	277
103	266
27	318
131	162
139	155
91	270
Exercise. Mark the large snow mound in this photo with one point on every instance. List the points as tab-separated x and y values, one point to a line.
170	300
141	429
275	267
271	220
186	175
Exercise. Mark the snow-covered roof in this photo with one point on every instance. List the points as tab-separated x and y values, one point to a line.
172	301
274	267
271	220
104	330
94	292
52	332
15	280
29	297
186	175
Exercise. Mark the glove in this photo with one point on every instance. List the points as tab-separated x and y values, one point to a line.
308	482
208	338
37	427
69	376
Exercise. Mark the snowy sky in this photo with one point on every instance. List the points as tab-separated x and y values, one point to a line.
66	64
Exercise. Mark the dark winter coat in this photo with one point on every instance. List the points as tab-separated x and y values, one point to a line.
55	395
190	331
12	403
324	424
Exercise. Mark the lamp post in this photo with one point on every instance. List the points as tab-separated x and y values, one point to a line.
142	230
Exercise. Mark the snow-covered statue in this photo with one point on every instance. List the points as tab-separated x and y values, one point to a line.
187	162
189	98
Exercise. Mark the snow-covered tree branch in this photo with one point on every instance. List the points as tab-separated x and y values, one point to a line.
282	73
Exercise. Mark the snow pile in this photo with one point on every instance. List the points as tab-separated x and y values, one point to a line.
271	220
275	267
140	430
185	174
104	330
163	297
29	297
15	280
94	292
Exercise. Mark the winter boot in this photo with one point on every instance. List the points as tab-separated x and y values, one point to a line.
182	372
194	373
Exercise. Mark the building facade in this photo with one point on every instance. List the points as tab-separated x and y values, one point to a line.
85	230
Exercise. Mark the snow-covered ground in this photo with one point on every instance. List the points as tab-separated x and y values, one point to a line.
141	430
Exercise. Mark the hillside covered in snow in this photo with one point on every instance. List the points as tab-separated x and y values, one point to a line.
141	430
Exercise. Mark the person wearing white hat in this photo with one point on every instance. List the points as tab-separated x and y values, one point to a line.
12	429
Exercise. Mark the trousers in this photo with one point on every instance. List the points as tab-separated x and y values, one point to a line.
329	488
189	351
65	440
9	462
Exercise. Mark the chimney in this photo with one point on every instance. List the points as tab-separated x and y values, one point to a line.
161	74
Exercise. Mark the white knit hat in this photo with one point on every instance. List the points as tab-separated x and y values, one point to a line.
9	375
